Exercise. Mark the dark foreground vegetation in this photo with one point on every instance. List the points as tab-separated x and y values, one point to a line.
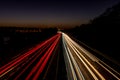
102	33
13	40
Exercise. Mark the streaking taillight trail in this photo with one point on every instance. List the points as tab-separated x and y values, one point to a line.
21	60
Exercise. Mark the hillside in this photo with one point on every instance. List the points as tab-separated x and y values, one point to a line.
102	33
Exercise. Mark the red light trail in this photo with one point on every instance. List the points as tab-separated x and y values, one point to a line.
45	49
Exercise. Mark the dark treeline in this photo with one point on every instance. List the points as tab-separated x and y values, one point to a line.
101	33
13	40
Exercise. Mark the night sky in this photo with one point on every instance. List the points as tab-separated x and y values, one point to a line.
51	13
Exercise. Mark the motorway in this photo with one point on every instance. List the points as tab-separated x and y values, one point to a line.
83	65
58	58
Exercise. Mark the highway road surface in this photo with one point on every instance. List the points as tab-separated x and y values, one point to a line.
83	65
58	58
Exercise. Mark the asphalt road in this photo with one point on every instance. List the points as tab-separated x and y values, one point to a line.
58	58
83	65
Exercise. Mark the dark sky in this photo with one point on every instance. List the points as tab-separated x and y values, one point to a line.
51	13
